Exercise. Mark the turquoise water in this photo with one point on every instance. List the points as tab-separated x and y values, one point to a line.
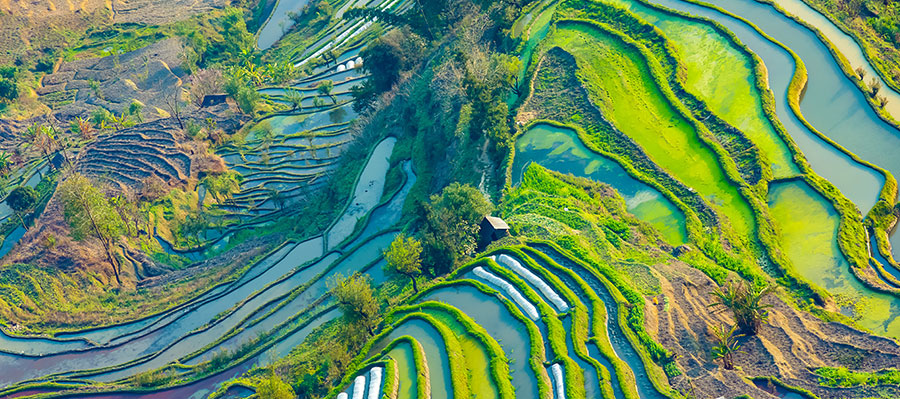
560	149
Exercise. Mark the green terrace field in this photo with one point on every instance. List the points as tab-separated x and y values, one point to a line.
694	200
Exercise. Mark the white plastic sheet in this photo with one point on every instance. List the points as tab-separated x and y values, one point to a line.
374	382
536	281
359	387
510	291
557	371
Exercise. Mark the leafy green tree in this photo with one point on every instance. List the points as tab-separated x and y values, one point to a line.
89	214
221	186
101	118
22	199
450	231
404	257
273	387
134	109
356	299
325	87
726	344
5	161
9	86
745	303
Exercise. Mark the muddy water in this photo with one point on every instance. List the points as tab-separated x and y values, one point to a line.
278	22
561	150
499	324
808	227
848	47
859	183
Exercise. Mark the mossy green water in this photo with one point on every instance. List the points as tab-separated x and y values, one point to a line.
621	84
406	366
477	358
809	226
722	76
560	149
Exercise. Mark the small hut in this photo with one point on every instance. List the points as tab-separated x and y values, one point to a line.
210	100
492	229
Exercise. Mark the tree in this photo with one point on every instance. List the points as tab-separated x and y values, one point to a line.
273	387
356	299
450	232
89	214
173	103
22	199
745	303
4	161
9	87
194	226
325	87
726	344
404	257
277	197
134	109
221	186
101	118
203	83
875	86
294	98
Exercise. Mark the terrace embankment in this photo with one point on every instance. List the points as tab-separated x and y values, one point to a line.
149	75
671	298
792	344
156	150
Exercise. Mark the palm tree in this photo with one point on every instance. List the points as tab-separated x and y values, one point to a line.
294	98
4	161
745	303
83	127
726	344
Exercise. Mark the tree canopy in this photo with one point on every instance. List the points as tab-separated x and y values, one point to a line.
356	298
89	214
404	257
450	232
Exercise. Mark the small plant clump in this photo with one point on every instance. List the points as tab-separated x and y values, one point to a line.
745	303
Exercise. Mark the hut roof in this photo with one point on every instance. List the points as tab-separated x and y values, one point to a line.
496	223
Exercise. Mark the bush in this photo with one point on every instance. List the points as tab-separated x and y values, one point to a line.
9	87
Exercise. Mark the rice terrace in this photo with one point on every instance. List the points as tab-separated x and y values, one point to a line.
447	199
